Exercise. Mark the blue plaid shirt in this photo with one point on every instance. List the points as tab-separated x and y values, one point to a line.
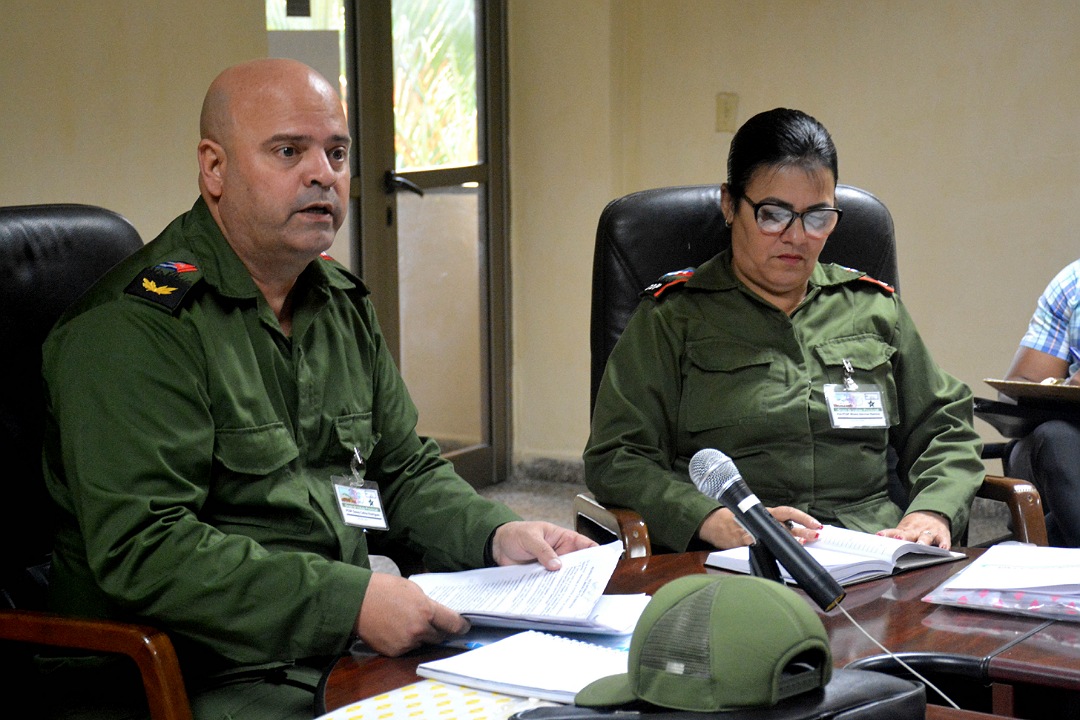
1055	326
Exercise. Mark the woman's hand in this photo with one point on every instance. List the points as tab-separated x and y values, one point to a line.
721	530
927	528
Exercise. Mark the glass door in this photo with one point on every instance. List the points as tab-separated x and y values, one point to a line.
429	198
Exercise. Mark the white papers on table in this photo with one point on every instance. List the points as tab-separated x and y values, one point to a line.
1019	579
1014	566
530	596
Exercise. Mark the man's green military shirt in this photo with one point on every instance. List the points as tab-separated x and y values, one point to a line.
712	365
191	444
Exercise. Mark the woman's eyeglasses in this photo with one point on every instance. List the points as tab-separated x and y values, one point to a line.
773	219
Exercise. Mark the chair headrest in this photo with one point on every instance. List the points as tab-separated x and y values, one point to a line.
49	255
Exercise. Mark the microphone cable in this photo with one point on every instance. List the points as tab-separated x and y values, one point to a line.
891	654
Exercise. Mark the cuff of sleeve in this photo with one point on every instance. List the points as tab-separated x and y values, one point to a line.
943	516
489	549
341	595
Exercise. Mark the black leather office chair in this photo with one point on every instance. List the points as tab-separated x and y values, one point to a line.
645	234
49	255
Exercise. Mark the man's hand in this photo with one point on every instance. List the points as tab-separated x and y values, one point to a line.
721	530
397	616
525	541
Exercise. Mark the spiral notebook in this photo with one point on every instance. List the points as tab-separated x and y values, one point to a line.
530	664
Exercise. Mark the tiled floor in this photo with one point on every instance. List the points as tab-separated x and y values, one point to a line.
542	489
538	500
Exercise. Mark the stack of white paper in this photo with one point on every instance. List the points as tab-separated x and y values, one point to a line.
1019	579
530	596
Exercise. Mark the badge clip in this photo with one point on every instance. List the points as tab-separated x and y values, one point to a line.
849	382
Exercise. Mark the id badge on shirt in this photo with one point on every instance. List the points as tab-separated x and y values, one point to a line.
863	407
358	499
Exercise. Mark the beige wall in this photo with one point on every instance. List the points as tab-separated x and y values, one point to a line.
99	99
959	114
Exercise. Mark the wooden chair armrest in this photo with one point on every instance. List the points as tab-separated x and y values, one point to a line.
1025	506
626	525
149	647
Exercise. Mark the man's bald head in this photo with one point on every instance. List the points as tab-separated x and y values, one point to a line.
274	164
241	89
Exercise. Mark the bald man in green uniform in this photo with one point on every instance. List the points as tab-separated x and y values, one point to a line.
209	402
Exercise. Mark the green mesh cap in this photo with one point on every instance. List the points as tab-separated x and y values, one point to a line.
717	642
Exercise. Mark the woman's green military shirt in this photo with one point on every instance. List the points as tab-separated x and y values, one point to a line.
712	365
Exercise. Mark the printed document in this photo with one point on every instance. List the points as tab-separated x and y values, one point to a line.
1017	579
530	596
1016	566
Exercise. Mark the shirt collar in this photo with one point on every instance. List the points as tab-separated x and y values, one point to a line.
718	274
222	268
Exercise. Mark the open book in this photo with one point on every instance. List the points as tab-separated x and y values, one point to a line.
530	664
850	556
529	596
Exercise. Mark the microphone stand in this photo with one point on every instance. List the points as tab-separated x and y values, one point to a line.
763	562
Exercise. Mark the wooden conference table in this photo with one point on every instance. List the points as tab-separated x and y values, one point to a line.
1032	665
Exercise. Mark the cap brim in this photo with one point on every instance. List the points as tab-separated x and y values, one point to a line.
607	691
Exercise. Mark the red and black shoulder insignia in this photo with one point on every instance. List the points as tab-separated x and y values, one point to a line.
668	281
883	285
863	276
165	284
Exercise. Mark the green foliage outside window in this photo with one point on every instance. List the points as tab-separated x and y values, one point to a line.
434	53
435	83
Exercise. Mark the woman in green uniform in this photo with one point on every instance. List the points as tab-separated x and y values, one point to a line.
803	373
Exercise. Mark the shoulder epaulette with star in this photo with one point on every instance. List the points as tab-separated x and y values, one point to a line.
668	281
165	284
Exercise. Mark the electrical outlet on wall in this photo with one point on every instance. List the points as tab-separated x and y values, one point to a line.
727	111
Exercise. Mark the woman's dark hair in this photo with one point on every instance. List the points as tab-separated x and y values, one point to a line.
778	138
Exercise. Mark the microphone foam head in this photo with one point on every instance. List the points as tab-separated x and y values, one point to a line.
712	471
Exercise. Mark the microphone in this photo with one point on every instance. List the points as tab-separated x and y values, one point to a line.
715	475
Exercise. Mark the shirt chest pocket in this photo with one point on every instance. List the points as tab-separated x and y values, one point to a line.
259	484
869	357
253	484
353	433
256	450
725	384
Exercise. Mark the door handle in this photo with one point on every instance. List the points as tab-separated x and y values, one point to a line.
392	182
